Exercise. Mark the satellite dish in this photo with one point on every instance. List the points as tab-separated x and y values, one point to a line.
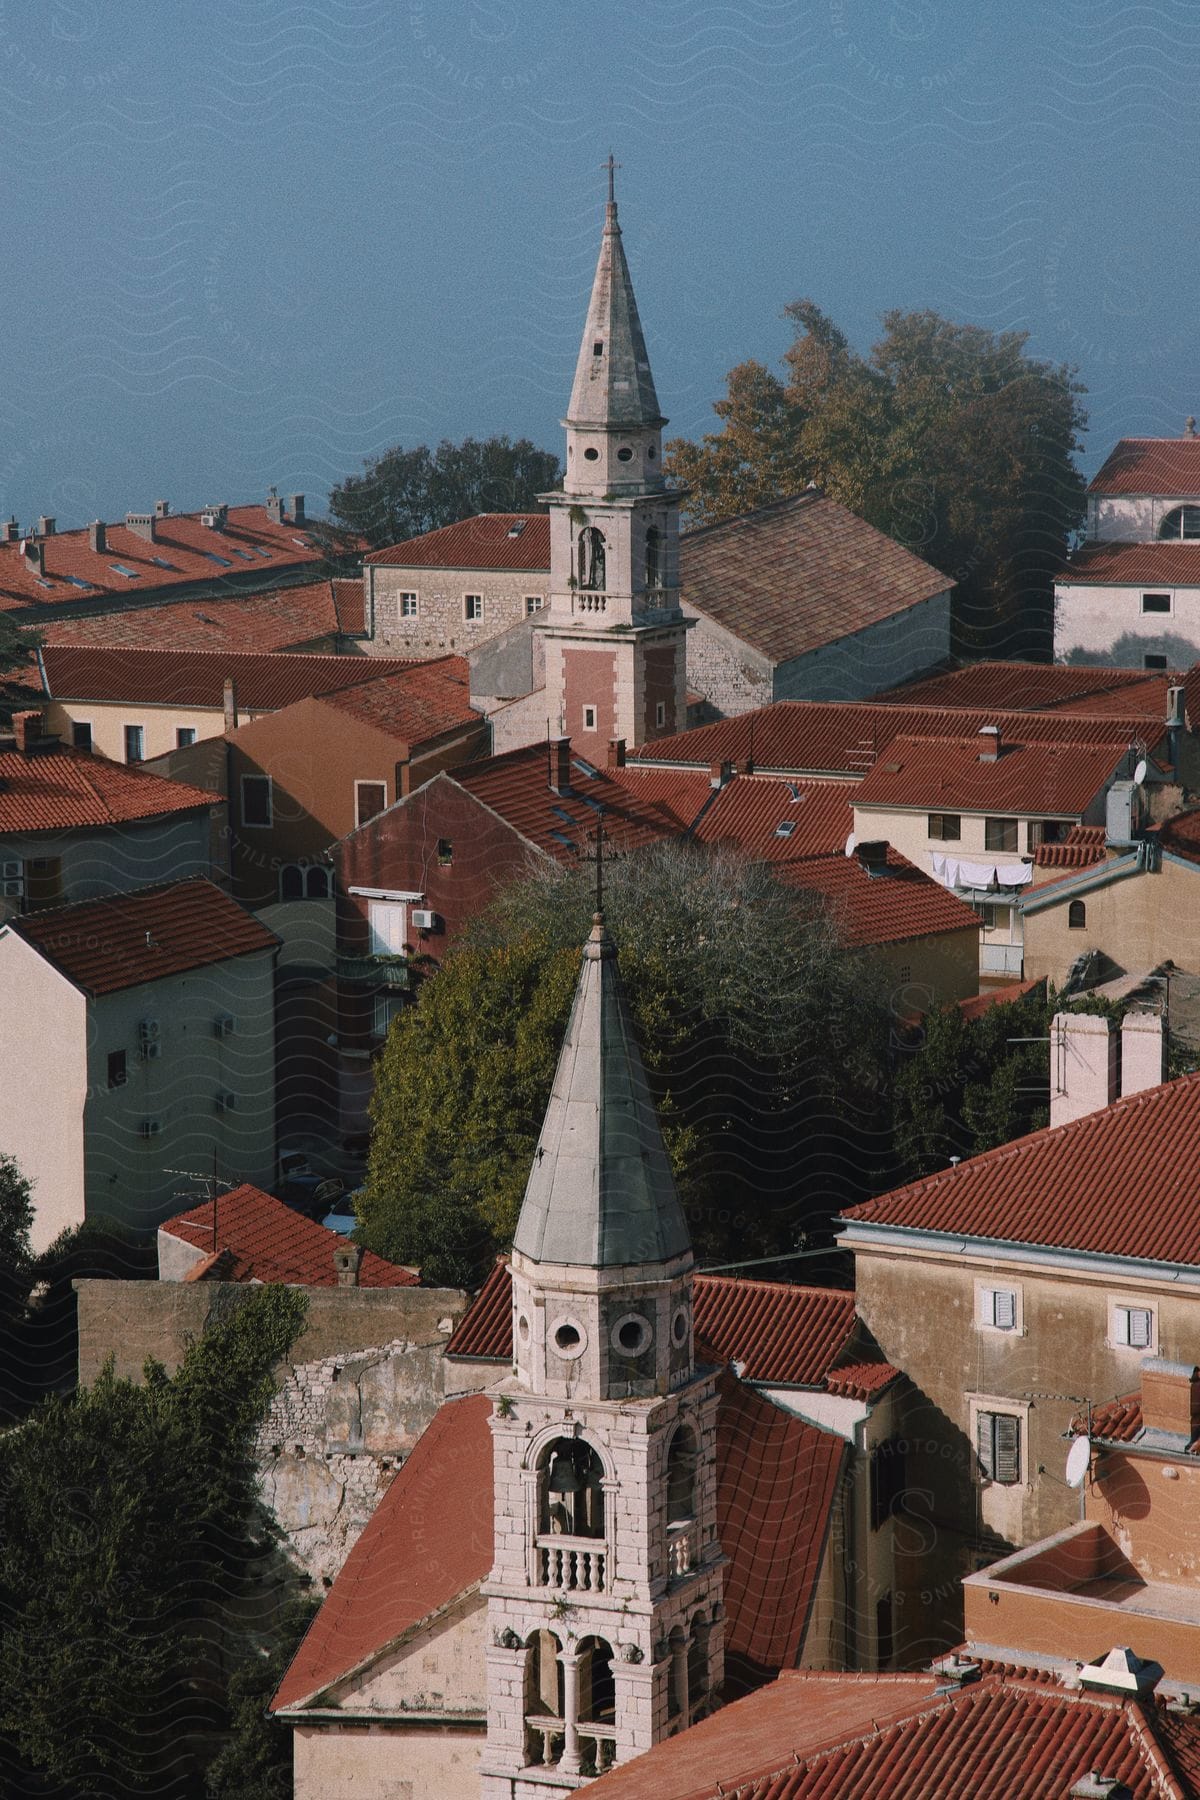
851	842
1139	774
1079	1459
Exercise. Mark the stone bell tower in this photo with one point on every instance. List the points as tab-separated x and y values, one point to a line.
604	1600
614	633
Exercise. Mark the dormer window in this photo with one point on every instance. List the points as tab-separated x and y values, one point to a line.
1181	522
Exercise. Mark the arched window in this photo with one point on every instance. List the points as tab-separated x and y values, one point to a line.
291	883
591	558
570	1497
305	881
316	883
1076	915
697	1663
545	1699
597	1690
681	1477
653	557
1181	522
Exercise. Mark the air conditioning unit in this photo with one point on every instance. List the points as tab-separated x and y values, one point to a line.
424	920
147	1031
148	1128
225	1025
226	1101
151	1051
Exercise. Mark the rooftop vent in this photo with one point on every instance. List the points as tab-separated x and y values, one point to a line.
162	509
98	535
989	743
517	527
12	531
296	508
1121	1672
1189	426
45	526
347	1262
145	524
274	507
1095	1786
560	765
34	552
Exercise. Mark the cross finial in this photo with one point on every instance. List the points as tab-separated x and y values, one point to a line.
612	166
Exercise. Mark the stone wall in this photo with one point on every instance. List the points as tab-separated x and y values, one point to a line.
441	625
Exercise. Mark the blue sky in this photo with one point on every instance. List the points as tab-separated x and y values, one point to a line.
256	241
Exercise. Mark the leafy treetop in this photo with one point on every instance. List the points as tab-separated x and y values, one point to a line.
406	492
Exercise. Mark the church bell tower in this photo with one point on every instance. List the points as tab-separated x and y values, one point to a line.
614	633
604	1600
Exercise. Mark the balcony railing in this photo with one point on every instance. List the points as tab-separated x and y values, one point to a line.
591	603
681	1548
375	971
574	1563
1001	959
546	1738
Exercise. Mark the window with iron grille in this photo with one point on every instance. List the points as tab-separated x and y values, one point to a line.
998	1446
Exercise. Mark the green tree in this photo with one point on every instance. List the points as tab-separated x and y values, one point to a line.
406	492
16	1222
947	437
131	1534
256	1763
18	648
762	1034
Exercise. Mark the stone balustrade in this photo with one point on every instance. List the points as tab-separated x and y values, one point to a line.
572	1562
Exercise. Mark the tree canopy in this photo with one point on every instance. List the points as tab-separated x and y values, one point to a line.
406	492
17	649
948	437
131	1533
764	1038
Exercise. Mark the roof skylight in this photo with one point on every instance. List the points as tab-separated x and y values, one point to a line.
120	569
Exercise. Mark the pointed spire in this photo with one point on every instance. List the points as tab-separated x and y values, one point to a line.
613	383
601	1193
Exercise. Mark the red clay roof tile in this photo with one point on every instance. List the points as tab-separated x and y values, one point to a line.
264	681
264	1240
1169	467
778	820
1038	778
277	619
1118	564
417	702
1082	846
67	790
487	541
1068	1186
485	1329
975	1005
127	940
1023	687
891	908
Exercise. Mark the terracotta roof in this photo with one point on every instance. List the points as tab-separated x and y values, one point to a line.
1017	686
976	1005
1068	1186
419	701
1118	564
428	1541
68	790
185	551
349	598
1166	466
264	1240
861	1380
265	681
813	1736
104	946
882	909
779	1335
801	573
488	541
1049	779
276	619
1180	835
779	820
1115	1422
802	737
1082	846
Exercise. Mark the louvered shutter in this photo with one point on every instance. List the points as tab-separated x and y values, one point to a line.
985	1442
1139	1327
1008	1448
1004	1309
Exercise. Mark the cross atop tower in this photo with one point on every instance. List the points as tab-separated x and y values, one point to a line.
612	166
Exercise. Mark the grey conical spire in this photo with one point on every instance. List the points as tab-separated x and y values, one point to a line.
601	1193
613	383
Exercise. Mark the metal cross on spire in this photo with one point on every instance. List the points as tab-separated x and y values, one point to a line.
612	166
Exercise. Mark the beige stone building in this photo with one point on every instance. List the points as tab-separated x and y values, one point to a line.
457	588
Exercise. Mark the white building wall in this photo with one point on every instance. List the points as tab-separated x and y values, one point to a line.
43	1084
1107	624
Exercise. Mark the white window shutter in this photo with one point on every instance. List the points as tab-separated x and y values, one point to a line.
1139	1321
388	922
984	1442
1004	1309
1008	1448
1121	1324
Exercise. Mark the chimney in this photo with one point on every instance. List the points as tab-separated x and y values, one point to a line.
1141	1051
231	705
214	516
34	552
347	1260
1189	426
162	509
720	774
989	743
1171	1398
560	765
144	524
1095	1786
274	507
45	526
28	729
616	753
1083	1066
296	508
12	531
872	856
98	535
1121	1672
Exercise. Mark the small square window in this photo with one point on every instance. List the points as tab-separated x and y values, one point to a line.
370	797
118	1068
135	743
81	734
945	828
533	604
256	800
1000	834
589	718
472	606
1156	603
409	606
185	736
1154	662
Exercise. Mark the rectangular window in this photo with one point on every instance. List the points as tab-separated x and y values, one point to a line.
409	606
256	800
1000	834
995	918
43	882
118	1069
388	922
1156	603
589	718
81	734
370	797
998	1308
185	736
472	606
1133	1327
945	828
387	1007
998	1445
660	713
445	853
533	603
1154	662
135	743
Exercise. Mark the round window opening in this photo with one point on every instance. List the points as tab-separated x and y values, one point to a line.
631	1335
679	1327
523	1329
591	455
568	1338
624	455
